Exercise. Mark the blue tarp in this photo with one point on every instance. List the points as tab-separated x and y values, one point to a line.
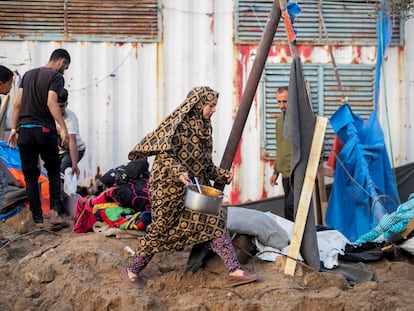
384	34
363	190
10	156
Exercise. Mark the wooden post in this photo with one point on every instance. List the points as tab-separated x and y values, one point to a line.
306	194
250	89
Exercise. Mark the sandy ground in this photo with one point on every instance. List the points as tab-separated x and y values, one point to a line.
44	270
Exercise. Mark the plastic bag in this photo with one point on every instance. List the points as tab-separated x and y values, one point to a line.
408	246
70	182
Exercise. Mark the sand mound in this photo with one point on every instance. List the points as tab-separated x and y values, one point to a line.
44	270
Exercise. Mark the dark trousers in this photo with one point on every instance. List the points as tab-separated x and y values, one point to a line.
289	213
66	161
33	142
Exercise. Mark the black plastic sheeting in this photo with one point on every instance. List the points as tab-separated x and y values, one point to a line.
405	181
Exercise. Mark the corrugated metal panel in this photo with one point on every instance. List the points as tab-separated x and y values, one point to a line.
405	109
112	89
357	80
124	20
81	20
39	19
275	76
347	23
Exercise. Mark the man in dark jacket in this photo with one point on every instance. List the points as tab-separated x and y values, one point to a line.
283	154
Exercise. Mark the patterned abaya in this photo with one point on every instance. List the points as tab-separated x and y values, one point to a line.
182	143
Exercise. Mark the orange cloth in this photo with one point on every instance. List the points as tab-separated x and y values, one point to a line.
44	187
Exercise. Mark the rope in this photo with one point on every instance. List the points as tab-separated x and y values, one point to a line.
335	69
374	199
79	218
394	174
23	235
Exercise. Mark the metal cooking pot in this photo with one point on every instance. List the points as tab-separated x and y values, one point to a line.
209	201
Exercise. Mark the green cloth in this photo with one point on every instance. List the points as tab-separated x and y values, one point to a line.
283	149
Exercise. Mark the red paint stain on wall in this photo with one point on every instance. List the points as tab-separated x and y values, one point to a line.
243	59
211	15
277	50
234	196
356	55
264	194
245	52
305	51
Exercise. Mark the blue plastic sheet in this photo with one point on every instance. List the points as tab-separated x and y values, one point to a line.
384	33
10	156
363	190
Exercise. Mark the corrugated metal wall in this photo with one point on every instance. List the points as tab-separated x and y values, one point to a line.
407	97
122	91
345	21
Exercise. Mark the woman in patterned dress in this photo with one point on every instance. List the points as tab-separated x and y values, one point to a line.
182	145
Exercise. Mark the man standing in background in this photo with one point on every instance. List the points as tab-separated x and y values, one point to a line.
283	154
6	80
33	129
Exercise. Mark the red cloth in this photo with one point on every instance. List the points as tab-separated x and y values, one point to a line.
336	149
84	218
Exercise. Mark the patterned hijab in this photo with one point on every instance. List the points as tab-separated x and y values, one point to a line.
190	110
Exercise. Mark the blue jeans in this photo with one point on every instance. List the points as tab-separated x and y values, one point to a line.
43	142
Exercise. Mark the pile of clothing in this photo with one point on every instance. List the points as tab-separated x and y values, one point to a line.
124	203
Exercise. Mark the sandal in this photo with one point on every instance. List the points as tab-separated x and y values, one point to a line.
59	226
137	282
235	280
55	218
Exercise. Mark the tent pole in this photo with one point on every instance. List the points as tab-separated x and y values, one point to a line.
290	33
250	89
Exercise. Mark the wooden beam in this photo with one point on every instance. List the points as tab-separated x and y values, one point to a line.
306	194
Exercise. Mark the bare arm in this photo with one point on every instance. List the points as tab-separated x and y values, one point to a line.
54	109
73	151
12	141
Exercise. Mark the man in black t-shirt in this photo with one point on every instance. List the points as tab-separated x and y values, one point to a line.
34	131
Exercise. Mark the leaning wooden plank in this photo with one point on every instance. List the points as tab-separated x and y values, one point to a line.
306	194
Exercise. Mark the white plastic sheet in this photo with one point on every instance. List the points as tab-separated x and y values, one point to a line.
70	182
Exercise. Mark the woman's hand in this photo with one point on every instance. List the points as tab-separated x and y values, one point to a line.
185	179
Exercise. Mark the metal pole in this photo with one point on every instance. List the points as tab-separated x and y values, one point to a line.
250	90
335	69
